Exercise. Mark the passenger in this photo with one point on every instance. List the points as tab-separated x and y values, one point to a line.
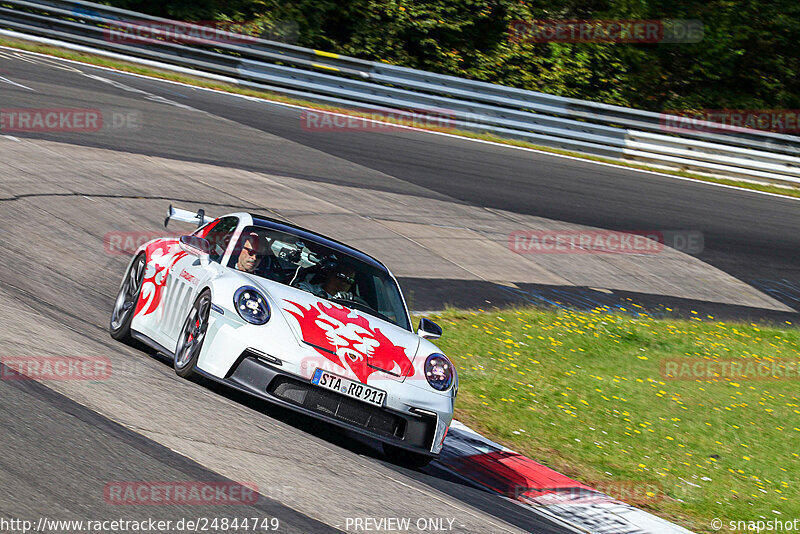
336	284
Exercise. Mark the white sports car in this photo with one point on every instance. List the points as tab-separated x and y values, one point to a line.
295	318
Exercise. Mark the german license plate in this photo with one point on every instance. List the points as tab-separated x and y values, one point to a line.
349	388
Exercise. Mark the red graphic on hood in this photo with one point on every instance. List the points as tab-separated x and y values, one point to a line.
161	256
346	338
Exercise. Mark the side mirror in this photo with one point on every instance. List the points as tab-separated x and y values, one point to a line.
196	246
428	329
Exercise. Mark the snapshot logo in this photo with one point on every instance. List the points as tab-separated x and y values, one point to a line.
606	31
127	243
604	241
731	120
733	370
757	525
92	368
63	120
180	493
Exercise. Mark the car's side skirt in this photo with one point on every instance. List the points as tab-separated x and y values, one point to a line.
138	336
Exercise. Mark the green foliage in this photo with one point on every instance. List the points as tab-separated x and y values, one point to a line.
747	59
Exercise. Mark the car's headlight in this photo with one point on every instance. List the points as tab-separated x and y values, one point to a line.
439	372
251	305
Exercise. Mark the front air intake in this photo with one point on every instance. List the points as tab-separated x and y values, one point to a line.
338	406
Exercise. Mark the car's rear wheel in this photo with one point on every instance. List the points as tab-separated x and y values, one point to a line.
406	458
121	316
192	336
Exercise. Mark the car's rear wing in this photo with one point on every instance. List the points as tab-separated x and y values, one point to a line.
176	214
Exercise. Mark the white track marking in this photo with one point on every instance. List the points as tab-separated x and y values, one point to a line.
51	62
147	96
6	80
19	55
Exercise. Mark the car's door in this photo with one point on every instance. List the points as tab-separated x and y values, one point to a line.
190	273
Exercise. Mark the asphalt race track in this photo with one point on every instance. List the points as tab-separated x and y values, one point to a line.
70	448
144	423
65	442
753	237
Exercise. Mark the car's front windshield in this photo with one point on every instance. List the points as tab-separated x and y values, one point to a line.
318	269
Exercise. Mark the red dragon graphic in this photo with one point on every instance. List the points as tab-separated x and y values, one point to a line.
346	338
161	256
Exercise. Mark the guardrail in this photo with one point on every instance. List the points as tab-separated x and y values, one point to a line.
539	118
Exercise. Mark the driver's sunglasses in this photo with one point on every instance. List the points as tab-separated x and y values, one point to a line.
349	279
252	252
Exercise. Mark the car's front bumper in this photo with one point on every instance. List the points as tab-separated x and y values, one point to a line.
411	405
414	430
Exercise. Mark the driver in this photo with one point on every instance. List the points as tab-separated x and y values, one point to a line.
251	253
336	284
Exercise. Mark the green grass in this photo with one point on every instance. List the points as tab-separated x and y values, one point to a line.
584	394
785	190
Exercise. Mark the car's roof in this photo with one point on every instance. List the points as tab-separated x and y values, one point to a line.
274	224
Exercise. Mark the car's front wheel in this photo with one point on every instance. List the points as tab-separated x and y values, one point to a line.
120	325
406	458
192	336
